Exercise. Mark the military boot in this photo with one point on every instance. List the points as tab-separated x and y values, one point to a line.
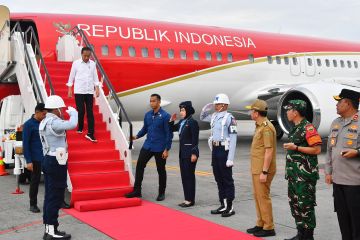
50	234
229	211
299	235
220	209
308	234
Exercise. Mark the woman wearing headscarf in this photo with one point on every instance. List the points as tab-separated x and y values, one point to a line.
188	129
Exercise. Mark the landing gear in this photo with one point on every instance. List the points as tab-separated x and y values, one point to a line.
279	131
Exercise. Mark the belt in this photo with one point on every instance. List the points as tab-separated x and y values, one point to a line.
53	154
218	143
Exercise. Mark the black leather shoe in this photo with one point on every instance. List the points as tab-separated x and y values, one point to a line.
133	194
265	233
219	210
160	197
228	213
185	205
34	209
254	230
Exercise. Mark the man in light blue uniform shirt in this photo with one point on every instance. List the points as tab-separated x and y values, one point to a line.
222	142
53	138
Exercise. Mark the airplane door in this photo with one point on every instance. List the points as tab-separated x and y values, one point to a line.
4	37
310	68
295	65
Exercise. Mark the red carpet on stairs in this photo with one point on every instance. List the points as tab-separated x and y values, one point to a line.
97	173
151	221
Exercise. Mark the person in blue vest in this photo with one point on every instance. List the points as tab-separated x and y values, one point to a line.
188	129
222	143
158	143
33	153
52	132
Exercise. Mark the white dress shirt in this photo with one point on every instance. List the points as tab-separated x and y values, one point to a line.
85	77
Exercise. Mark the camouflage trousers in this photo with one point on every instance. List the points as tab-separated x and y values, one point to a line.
302	201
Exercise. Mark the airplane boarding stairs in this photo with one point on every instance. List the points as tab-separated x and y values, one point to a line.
99	173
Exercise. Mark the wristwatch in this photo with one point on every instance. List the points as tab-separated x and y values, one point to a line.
265	172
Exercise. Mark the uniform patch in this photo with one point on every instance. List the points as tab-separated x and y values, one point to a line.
312	137
350	135
349	142
333	141
354	127
233	129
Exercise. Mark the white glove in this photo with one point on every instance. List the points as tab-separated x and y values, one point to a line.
70	109
229	163
208	107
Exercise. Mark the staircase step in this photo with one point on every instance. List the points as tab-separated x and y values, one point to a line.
95	166
82	142
99	193
100	180
93	154
109	203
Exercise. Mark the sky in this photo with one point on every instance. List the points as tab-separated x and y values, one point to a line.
333	19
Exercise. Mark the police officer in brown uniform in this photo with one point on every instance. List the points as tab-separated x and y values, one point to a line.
342	167
263	168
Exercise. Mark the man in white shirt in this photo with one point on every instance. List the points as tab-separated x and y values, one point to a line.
84	77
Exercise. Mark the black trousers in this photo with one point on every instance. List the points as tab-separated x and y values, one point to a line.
347	207
34	183
223	174
144	157
85	101
187	170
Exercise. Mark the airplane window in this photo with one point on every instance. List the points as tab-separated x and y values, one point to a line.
270	59
218	56
118	51
310	62
342	64
318	61
251	58
286	60
208	56
196	55
349	64
356	64
105	50
295	61
132	52
335	63
183	54
327	62
157	53
171	53
278	60
230	57
145	52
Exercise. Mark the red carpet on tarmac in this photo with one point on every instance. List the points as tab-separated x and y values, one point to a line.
151	221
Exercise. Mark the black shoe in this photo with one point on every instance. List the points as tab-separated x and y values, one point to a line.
91	137
265	233
133	194
185	205
34	209
61	233
308	234
228	213
297	237
160	197
219	210
254	230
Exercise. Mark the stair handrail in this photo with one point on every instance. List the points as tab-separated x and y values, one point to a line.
31	70
76	31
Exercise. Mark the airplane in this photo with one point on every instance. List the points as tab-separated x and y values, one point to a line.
191	62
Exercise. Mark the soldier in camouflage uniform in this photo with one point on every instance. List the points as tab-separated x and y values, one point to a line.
302	170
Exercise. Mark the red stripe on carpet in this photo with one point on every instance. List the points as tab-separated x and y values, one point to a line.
151	221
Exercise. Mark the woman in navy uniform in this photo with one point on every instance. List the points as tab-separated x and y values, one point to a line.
188	129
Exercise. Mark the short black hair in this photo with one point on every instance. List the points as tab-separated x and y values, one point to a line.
40	107
156	95
85	49
354	103
262	113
